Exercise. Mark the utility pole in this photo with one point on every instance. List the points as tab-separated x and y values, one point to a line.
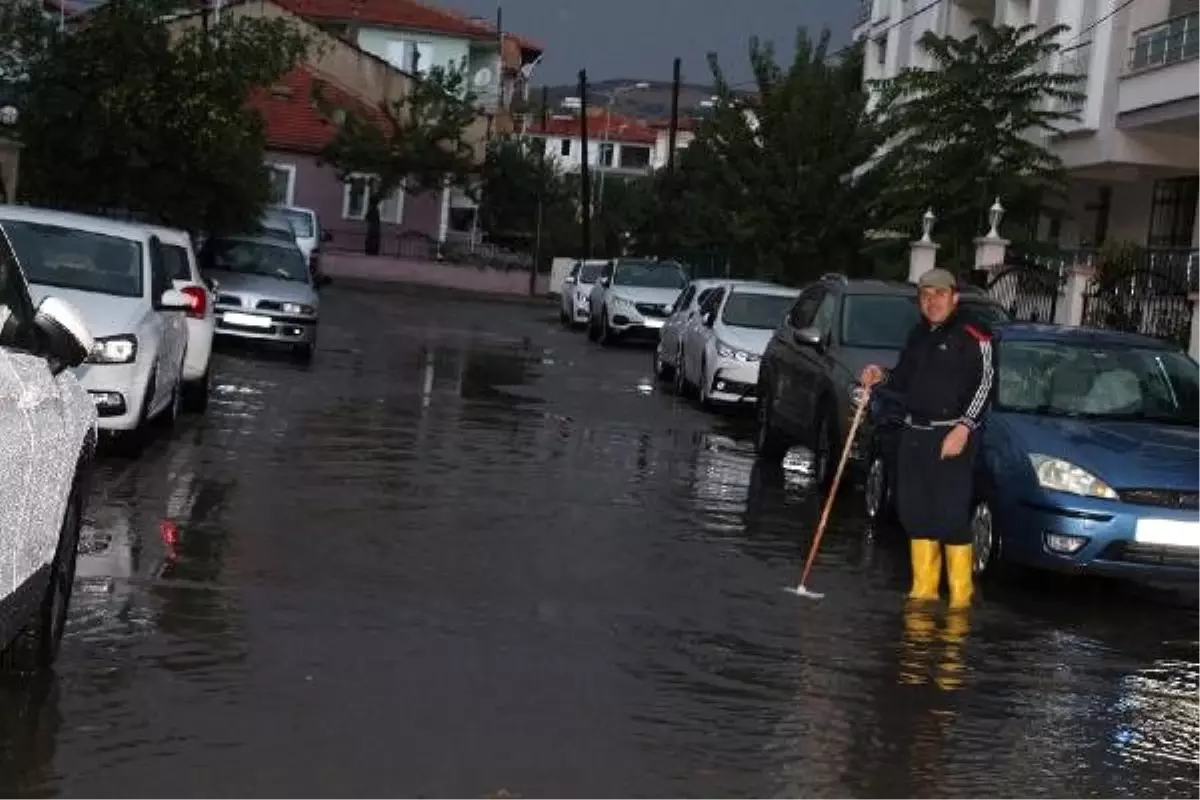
537	241
585	178
673	131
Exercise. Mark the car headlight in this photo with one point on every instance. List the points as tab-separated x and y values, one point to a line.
114	350
623	303
1063	476
725	350
298	308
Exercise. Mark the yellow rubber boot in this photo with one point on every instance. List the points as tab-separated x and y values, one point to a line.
926	569
959	571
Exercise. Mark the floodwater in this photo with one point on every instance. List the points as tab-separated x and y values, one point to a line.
466	553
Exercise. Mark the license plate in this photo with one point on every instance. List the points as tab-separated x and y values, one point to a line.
1176	532
247	320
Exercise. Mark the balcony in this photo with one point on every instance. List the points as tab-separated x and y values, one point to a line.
1159	82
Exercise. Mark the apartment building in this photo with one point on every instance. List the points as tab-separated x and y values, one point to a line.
1132	155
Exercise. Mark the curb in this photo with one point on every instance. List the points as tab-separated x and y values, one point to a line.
367	285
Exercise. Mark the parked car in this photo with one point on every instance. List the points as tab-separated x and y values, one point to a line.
684	314
576	286
309	236
47	427
719	356
633	297
808	377
184	270
265	291
116	274
1089	455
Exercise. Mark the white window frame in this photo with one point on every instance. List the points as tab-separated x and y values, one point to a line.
400	197
290	169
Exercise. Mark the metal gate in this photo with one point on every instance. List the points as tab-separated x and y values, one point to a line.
1146	301
1028	289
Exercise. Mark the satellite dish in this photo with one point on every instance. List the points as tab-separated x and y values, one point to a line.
483	77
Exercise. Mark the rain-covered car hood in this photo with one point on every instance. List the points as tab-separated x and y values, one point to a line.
263	287
645	294
1122	454
751	340
104	314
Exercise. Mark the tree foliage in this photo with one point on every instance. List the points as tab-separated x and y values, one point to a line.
523	196
418	143
973	127
768	181
123	115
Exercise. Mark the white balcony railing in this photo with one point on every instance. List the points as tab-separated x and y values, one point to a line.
1169	42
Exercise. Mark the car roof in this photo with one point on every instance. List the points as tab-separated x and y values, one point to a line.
250	238
171	235
68	219
1045	332
763	287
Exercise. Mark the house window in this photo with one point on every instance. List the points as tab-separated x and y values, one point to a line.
1173	212
606	154
401	53
283	183
565	147
635	157
356	198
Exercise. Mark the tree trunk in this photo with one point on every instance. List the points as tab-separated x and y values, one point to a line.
373	228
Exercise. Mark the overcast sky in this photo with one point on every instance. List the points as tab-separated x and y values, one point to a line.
639	38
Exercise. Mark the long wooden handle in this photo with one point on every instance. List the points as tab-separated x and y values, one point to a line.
833	489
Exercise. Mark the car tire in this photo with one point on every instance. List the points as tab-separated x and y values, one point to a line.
662	370
37	644
824	449
986	541
682	387
877	490
195	393
563	318
702	391
607	338
303	352
770	444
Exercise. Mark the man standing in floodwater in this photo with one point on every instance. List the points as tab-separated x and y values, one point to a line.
943	382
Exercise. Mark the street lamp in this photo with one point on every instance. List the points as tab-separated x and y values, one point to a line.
927	225
612	99
995	214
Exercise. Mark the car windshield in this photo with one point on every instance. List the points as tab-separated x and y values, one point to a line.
883	321
588	273
1078	379
649	274
302	222
67	258
256	258
756	310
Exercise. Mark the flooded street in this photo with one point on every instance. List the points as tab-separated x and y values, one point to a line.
466	552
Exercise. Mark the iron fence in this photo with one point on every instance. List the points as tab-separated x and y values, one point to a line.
1029	288
1146	301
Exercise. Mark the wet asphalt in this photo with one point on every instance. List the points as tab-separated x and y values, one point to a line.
467	553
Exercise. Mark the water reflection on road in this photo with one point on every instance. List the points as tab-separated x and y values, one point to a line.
467	552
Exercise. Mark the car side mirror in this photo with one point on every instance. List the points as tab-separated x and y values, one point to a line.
174	300
807	337
326	236
709	319
68	341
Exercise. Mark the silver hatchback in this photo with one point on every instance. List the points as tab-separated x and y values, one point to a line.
265	291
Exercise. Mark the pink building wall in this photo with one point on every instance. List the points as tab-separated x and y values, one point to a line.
431	273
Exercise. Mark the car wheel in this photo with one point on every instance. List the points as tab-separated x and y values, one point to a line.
37	644
769	443
174	409
662	370
606	334
563	318
702	388
303	352
822	451
985	539
681	382
876	491
195	394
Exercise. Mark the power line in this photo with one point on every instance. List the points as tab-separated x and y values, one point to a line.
1126	4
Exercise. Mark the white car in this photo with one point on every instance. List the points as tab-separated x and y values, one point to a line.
181	264
309	236
633	297
47	438
720	356
576	287
684	315
115	274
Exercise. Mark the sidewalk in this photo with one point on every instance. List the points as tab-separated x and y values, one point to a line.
349	269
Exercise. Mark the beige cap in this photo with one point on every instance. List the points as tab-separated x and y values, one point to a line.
938	279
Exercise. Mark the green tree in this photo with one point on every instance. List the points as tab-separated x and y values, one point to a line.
419	143
974	127
123	114
523	197
768	181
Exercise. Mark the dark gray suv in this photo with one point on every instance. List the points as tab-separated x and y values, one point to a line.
808	380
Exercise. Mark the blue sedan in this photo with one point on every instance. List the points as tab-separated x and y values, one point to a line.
1090	456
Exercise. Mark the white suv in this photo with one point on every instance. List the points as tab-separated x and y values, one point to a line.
633	297
47	437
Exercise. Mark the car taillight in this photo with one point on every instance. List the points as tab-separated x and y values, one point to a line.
199	300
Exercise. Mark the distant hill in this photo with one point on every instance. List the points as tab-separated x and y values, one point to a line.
653	102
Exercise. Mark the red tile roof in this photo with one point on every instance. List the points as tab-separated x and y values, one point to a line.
292	120
620	129
406	14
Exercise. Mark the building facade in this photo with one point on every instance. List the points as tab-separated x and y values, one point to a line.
1132	155
616	144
